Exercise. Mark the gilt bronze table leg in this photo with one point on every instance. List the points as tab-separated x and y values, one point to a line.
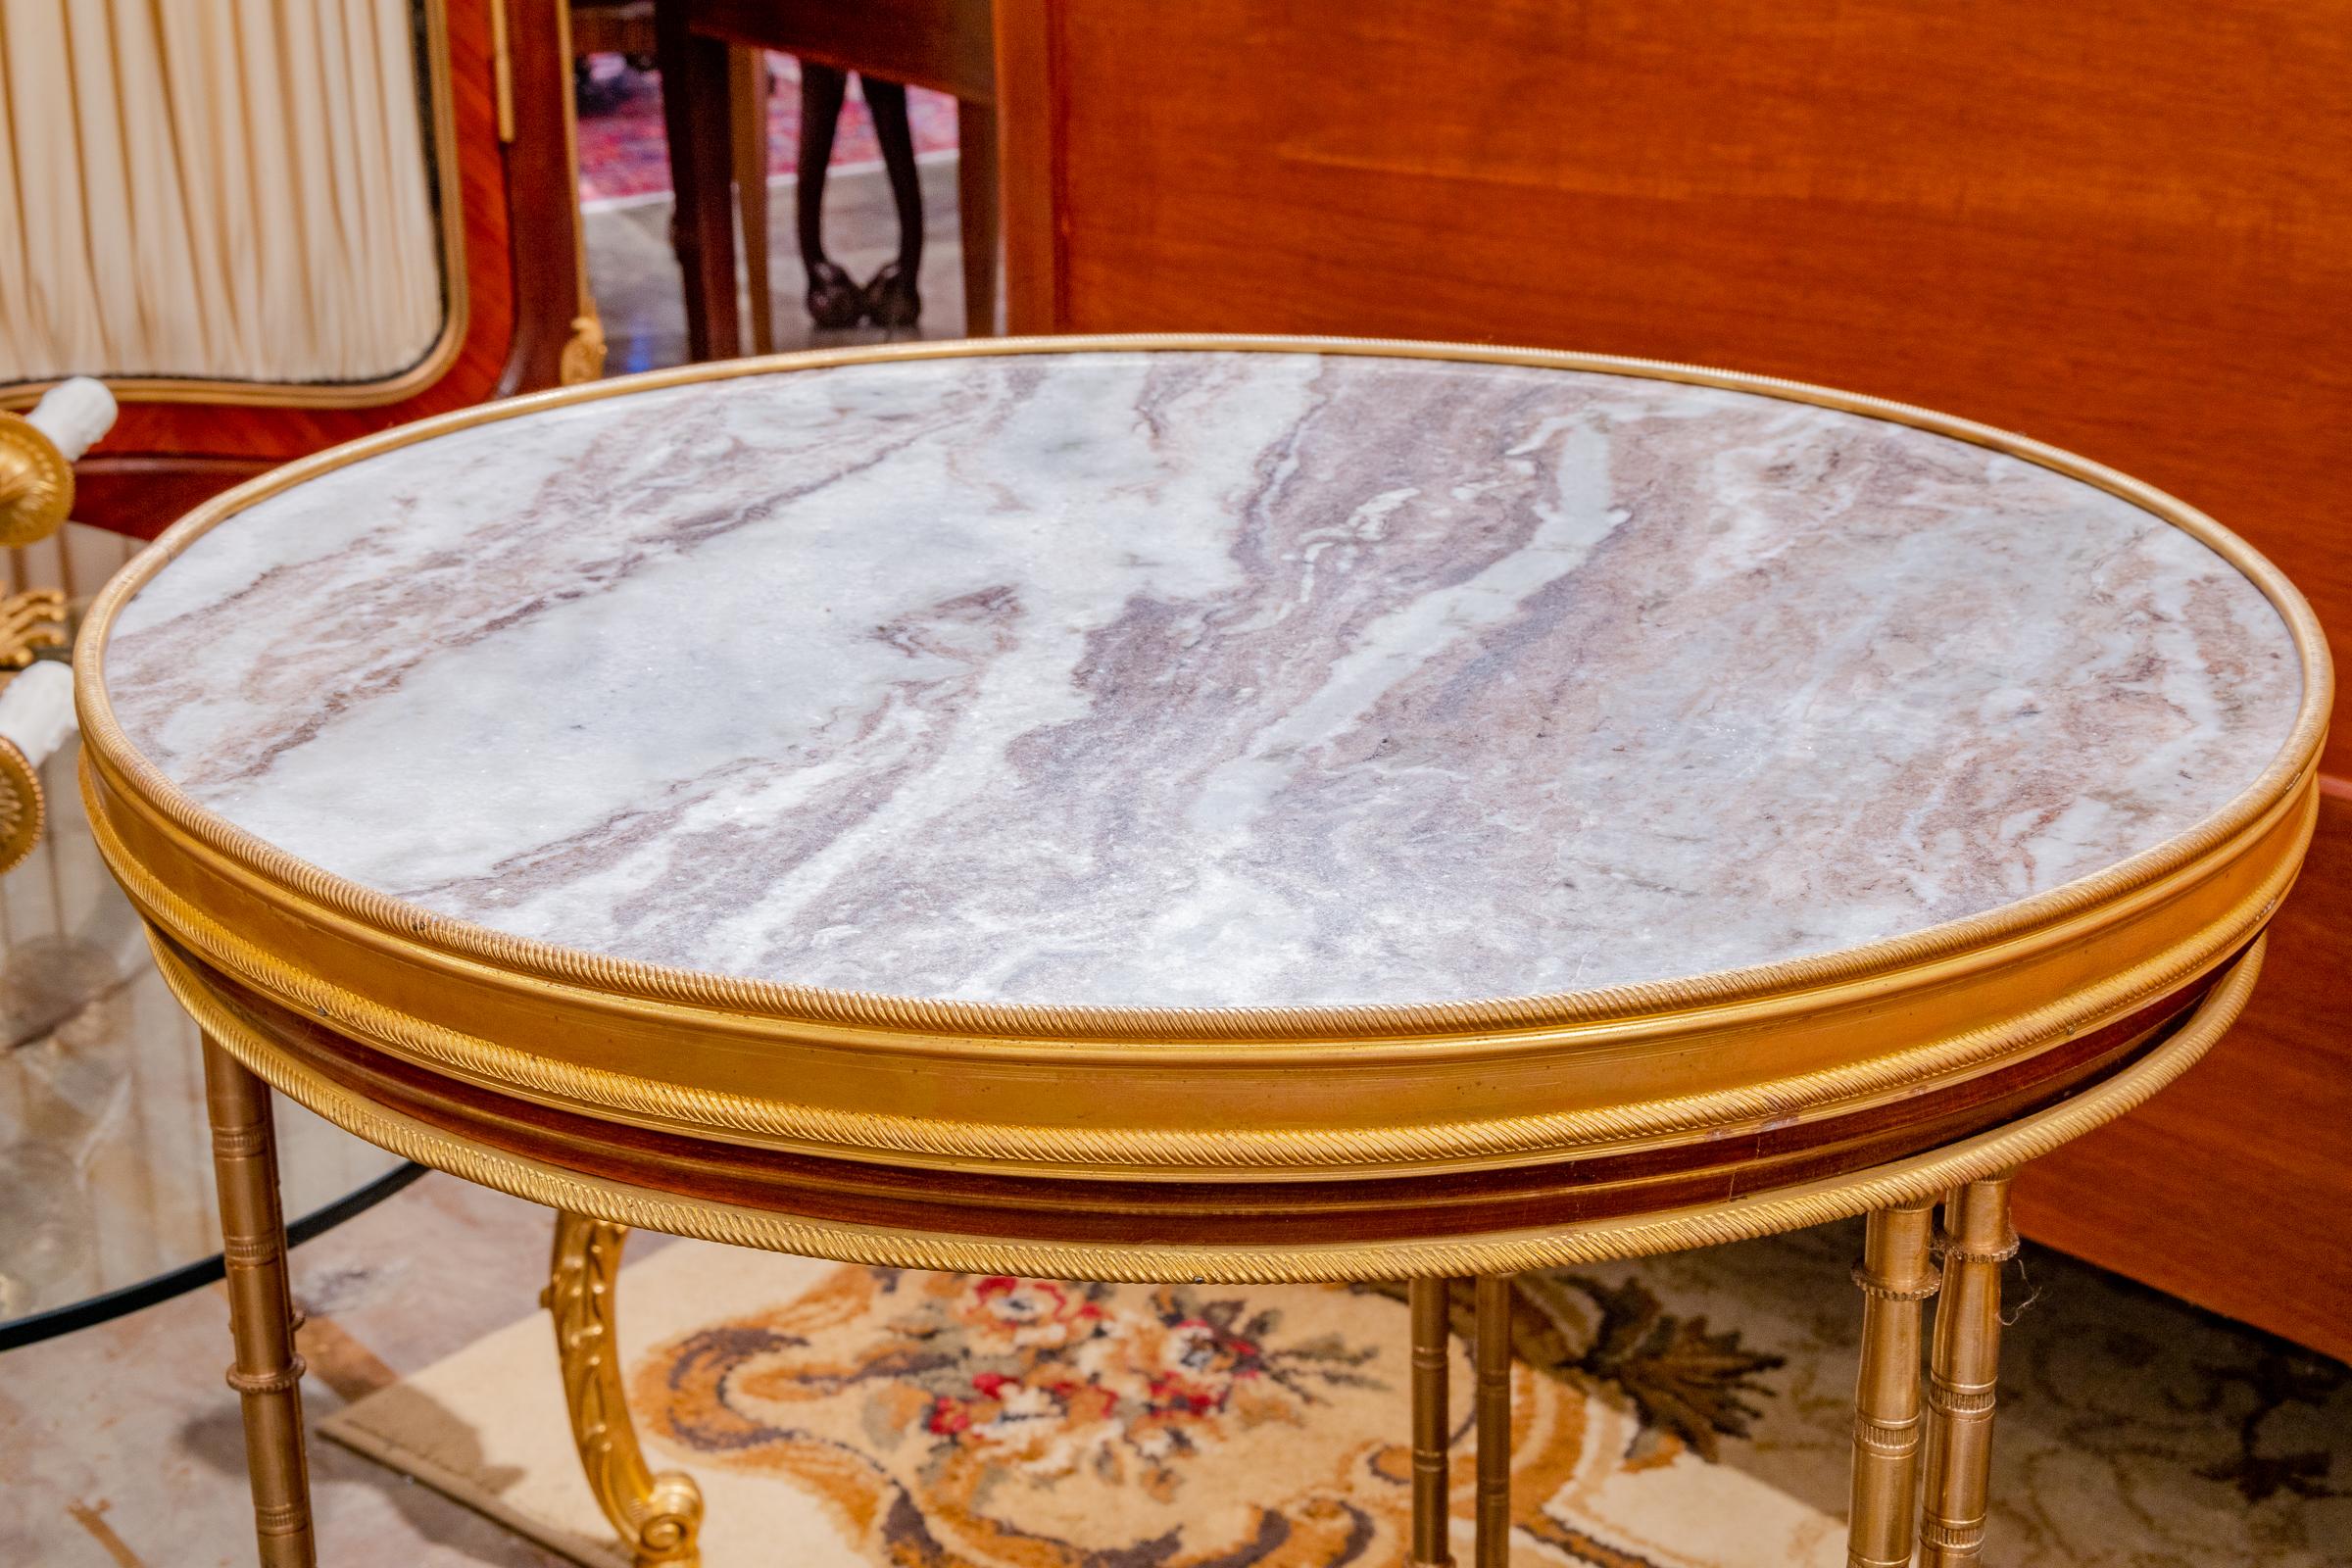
1433	1360
1492	1393
265	1372
1977	1240
658	1516
1896	1275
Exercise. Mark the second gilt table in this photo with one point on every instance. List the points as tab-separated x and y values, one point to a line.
1206	809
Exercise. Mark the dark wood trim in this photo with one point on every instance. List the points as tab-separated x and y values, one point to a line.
1030	126
976	206
940	44
613	28
140	494
696	88
542	199
1592	1187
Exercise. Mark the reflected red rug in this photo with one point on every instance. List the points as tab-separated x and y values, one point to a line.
624	154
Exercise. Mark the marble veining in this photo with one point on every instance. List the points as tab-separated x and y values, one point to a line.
1204	678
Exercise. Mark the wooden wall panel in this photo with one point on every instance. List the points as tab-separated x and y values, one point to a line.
2123	229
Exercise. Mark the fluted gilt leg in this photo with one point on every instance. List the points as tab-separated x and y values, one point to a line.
265	1372
1896	1275
1433	1359
1977	1241
658	1516
1492	1390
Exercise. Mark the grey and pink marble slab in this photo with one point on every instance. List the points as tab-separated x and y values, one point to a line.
1204	678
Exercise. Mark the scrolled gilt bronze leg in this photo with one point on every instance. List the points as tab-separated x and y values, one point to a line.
1896	1276
1433	1356
1492	1392
1977	1240
658	1516
265	1372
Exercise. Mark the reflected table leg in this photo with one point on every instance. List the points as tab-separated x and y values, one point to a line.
265	1372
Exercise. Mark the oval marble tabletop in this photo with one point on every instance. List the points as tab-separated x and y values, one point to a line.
1204	678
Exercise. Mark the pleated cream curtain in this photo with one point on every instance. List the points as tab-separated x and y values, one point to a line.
213	188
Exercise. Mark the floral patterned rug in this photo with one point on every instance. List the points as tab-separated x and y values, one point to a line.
1671	1413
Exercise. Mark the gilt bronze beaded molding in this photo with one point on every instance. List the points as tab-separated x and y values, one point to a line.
1918	1180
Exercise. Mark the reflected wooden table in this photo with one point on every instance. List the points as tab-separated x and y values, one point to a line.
1203	809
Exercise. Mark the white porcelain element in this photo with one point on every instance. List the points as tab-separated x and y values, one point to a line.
1204	678
73	413
36	708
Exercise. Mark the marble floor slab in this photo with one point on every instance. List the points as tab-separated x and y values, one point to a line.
120	1445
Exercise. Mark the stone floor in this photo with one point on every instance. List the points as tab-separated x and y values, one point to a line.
122	1446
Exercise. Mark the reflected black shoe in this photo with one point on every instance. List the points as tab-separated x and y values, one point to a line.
834	298
891	299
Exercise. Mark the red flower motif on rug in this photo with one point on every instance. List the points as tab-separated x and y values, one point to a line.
963	1421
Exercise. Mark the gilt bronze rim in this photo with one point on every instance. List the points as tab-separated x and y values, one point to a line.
577	1181
1192	1095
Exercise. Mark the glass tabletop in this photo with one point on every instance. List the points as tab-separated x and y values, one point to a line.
106	1177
